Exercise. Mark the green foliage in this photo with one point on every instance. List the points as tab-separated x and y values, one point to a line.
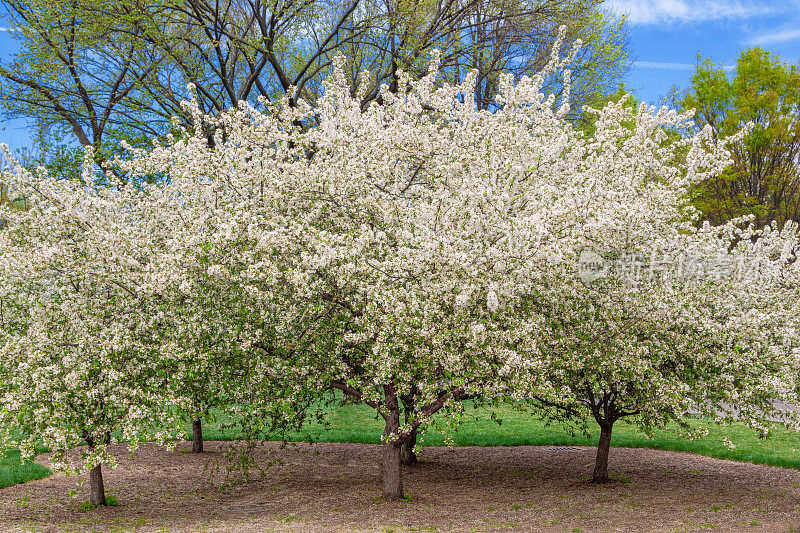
75	79
520	45
763	180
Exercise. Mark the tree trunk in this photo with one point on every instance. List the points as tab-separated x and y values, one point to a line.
392	474
601	463
197	436
97	495
407	455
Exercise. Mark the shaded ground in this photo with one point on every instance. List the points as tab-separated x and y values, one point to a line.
336	487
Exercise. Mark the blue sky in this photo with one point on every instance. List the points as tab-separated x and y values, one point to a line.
13	133
667	35
665	38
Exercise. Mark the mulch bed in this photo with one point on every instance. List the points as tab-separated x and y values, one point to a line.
336	487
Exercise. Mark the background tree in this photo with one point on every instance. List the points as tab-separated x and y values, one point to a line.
646	356
73	79
492	38
519	42
92	72
587	122
763	179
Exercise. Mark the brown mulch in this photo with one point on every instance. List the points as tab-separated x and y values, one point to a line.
336	487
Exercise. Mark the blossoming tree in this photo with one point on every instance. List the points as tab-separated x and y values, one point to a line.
415	249
73	369
673	317
422	249
372	243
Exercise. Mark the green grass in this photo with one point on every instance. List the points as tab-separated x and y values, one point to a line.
782	448
357	423
13	471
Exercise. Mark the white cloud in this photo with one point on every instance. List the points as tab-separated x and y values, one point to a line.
5	28
683	11
775	37
660	65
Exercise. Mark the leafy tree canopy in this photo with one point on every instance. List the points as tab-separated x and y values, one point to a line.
762	180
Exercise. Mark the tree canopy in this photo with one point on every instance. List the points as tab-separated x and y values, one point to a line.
95	72
763	180
418	246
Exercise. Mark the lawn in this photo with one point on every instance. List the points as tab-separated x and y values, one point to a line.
357	424
12	470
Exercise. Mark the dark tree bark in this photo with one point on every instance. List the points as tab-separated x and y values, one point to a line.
601	463
97	494
606	410
407	455
392	473
197	435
